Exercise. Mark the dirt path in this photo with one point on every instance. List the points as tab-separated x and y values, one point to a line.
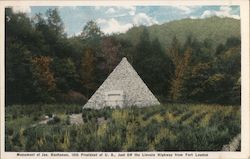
233	145
76	119
45	121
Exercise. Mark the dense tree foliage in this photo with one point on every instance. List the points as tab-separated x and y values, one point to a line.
217	29
44	65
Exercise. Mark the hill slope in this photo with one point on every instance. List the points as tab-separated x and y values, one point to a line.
214	28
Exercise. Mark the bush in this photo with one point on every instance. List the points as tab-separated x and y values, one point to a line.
35	118
14	116
56	119
49	115
72	97
68	120
9	131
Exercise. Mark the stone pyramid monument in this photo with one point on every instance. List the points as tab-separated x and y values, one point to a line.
122	88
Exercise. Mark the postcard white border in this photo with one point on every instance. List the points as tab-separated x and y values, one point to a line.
245	111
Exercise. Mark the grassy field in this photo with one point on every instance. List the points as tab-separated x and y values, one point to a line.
188	127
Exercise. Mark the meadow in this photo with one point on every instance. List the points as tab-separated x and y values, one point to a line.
178	127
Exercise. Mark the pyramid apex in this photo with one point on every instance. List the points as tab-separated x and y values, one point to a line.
124	58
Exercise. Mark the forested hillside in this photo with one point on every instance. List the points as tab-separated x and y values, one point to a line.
216	30
196	61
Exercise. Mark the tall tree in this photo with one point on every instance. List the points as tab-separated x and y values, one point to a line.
91	36
143	48
91	30
65	74
161	69
195	82
18	58
18	74
54	21
110	49
51	30
178	78
87	71
152	64
43	77
175	51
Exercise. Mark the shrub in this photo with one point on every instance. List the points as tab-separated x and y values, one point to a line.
68	120
9	131
35	118
56	119
49	115
14	116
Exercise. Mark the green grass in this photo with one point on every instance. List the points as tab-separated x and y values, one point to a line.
157	128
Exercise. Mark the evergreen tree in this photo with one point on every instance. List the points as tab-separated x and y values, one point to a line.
18	74
65	74
91	36
152	64
54	22
18	58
